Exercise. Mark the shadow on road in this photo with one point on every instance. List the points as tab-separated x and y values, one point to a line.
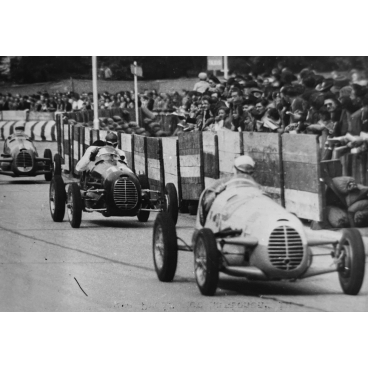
23	182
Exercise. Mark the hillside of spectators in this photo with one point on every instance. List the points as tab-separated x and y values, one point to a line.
281	101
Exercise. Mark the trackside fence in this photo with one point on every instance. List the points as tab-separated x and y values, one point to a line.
288	166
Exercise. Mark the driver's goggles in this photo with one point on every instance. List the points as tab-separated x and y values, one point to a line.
114	144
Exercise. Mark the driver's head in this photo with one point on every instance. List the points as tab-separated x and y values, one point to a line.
19	127
111	140
244	165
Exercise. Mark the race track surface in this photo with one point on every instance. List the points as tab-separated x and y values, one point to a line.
107	265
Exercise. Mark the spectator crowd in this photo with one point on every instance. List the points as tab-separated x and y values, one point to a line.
279	101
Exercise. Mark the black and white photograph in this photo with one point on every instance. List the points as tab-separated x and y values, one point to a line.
178	188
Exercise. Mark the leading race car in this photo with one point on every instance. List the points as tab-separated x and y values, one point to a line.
20	157
245	233
112	189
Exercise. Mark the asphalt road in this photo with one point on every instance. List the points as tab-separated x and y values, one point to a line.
107	265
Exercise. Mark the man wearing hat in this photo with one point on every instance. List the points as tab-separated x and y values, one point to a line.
202	85
92	152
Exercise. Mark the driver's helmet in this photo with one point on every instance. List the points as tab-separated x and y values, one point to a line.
107	154
111	140
245	164
19	127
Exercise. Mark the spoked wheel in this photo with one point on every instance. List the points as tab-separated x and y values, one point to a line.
48	154
352	266
74	205
57	164
206	262
144	215
57	198
165	247
171	202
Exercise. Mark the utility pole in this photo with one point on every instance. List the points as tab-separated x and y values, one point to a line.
226	69
96	122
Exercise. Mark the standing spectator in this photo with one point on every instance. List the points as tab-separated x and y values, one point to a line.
77	104
108	73
202	85
67	105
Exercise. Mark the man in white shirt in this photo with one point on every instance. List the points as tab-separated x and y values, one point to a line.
77	104
87	161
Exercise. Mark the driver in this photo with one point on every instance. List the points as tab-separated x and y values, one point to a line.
18	131
93	151
244	168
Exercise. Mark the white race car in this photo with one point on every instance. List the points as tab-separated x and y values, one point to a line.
245	233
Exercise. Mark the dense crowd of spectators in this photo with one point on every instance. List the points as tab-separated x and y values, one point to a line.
277	102
66	102
280	101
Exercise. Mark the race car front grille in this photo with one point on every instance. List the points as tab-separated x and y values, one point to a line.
125	194
285	248
24	161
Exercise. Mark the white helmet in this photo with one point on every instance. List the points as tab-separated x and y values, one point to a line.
245	164
202	76
20	125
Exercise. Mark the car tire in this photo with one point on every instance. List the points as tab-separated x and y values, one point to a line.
74	205
165	247
143	216
57	198
352	268
171	202
47	154
206	262
57	164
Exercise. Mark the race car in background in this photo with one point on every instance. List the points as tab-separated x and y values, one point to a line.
245	233
20	157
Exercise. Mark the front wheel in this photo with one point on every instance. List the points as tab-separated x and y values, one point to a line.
74	205
352	266
57	198
171	202
47	154
165	247
206	262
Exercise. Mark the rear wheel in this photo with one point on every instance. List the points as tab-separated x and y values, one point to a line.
165	247
57	198
206	262
352	267
47	154
74	205
57	164
171	202
144	215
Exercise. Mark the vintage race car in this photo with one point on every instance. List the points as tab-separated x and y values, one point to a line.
20	158
112	189
245	233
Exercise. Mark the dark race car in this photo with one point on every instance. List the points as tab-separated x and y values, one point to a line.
112	189
20	158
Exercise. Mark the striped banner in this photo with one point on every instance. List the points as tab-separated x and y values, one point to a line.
36	130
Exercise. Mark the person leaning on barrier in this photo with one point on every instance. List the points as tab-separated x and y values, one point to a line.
92	152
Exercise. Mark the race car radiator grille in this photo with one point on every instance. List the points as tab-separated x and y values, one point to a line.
285	248
24	161
125	194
